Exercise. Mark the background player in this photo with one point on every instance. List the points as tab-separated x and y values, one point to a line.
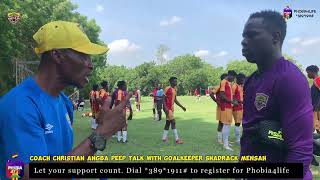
159	101
137	95
154	94
227	101
237	110
118	96
215	95
103	95
170	98
315	94
94	95
197	93
103	92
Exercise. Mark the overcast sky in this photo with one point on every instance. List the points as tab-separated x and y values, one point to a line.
211	29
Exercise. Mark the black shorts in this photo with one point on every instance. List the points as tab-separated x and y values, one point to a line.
159	103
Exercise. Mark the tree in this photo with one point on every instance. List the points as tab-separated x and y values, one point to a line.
16	40
242	66
248	68
289	58
160	54
196	79
214	75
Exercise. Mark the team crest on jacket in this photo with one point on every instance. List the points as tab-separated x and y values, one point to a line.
14	17
261	101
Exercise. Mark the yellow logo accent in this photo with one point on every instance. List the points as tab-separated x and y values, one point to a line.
275	135
14	17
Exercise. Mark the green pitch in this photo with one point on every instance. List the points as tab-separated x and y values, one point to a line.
197	127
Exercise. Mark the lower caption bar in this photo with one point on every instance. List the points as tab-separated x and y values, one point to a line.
166	170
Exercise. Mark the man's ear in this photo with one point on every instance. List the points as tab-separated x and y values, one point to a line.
57	56
276	37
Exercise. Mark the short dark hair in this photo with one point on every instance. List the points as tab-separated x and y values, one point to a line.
120	84
313	68
232	73
104	83
46	55
45	59
273	20
172	78
241	76
223	76
95	87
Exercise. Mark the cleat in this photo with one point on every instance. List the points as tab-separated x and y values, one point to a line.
227	148
165	140
125	141
179	141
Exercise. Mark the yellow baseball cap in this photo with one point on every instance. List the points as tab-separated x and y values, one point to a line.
62	35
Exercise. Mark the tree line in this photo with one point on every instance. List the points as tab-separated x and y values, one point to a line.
16	43
192	72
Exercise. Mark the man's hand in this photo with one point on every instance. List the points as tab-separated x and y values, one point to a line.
235	102
112	120
99	120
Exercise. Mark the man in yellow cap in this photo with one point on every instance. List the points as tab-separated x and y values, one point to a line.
36	117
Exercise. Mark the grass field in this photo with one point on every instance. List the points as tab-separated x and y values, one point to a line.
197	127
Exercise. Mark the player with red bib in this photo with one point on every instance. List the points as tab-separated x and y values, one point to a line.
104	92
94	95
118	96
137	95
215	95
170	97
227	101
237	110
